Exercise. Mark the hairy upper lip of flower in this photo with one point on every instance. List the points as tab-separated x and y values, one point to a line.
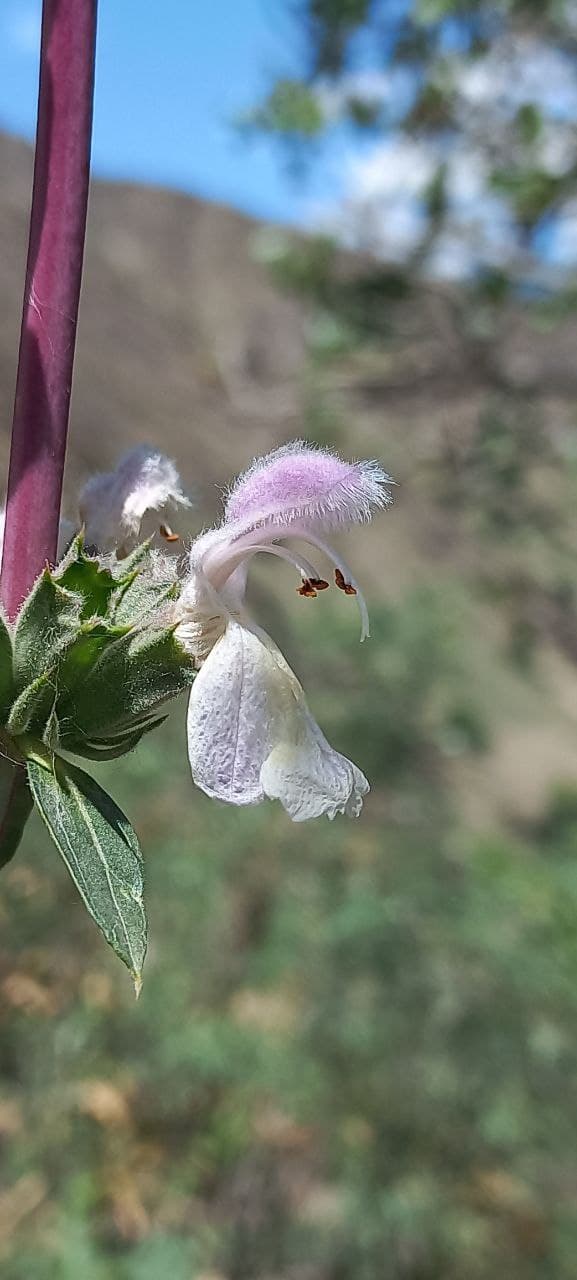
250	731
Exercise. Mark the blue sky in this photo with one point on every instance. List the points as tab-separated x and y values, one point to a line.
171	79
173	76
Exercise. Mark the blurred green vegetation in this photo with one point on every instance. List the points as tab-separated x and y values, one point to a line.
355	1053
354	1056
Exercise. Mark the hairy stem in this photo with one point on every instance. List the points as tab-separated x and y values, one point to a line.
51	295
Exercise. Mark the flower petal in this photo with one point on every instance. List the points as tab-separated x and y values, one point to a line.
307	775
112	505
229	718
312	779
299	483
251	734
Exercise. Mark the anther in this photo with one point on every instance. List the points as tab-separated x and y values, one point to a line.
347	587
166	533
307	588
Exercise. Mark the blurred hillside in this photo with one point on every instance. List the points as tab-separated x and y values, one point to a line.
354	1057
210	351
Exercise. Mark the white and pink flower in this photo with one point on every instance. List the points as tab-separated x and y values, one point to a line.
116	507
250	732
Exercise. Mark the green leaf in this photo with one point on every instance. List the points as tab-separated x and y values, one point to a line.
94	585
132	678
97	581
48	622
15	806
291	108
32	708
532	191
112	748
430	11
529	122
84	652
122	569
100	850
5	669
140	597
119	591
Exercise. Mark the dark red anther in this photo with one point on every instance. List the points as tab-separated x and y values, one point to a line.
167	534
347	587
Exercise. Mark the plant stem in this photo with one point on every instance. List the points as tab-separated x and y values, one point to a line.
51	296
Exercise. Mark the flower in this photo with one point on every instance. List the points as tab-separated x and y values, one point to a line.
250	732
114	504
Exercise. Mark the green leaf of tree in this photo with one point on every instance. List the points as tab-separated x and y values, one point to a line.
100	850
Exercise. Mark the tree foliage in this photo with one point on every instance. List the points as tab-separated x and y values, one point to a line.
473	103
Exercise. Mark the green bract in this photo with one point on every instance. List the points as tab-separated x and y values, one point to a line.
85	669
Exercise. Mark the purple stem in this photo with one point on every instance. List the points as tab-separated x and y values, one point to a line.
51	296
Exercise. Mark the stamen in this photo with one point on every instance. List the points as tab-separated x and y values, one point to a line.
166	532
347	587
306	569
223	562
311	586
307	589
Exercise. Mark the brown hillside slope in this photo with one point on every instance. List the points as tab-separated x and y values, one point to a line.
182	339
